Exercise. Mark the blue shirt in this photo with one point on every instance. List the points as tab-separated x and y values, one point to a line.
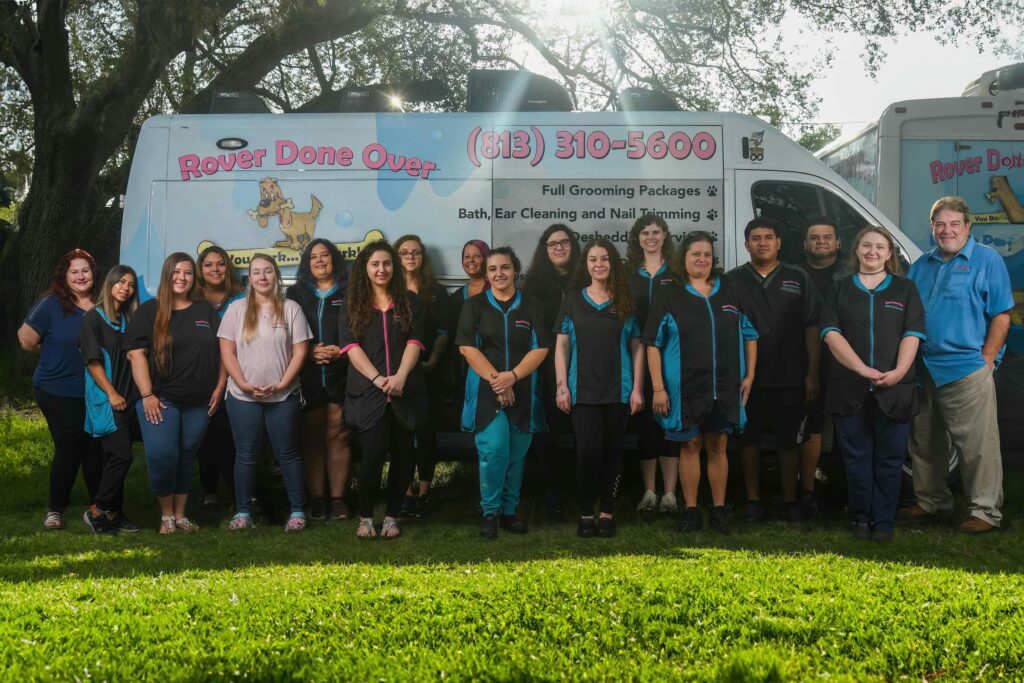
960	296
61	371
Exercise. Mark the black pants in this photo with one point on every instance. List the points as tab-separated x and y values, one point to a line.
217	454
555	465
600	430
73	449
426	438
387	436
117	459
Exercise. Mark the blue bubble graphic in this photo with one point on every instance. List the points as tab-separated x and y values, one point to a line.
343	219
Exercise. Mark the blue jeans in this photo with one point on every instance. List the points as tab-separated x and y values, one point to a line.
249	420
171	445
502	449
873	448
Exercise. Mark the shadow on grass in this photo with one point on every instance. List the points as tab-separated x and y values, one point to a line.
28	554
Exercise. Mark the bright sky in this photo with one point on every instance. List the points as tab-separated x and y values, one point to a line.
916	68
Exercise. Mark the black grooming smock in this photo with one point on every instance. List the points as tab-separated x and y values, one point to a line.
600	367
782	306
703	358
642	286
504	334
874	322
322	310
437	319
384	342
195	351
100	340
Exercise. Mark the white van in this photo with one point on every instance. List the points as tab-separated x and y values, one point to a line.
271	182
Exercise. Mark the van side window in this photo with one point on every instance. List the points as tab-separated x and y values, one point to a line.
791	204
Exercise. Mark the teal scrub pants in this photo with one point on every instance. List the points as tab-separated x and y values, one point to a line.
502	449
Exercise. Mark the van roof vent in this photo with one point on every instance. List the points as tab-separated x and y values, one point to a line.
238	102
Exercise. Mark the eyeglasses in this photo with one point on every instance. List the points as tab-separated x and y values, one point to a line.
410	254
559	244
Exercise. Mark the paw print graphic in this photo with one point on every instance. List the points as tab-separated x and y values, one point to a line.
712	214
712	191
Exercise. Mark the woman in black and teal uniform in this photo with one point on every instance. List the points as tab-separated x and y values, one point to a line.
474	253
873	323
109	390
702	351
380	329
554	261
502	335
651	260
324	440
419	278
599	368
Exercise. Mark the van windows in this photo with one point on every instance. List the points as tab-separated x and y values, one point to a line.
792	203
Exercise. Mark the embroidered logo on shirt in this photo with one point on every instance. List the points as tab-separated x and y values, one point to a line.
729	308
894	305
791	286
524	324
203	323
962	268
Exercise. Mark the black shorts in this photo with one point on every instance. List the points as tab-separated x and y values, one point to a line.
779	410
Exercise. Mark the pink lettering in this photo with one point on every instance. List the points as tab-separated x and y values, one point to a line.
374	156
226	162
189	165
245	159
993	159
396	163
286	152
257	157
936	169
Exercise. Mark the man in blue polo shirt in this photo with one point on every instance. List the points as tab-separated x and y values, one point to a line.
965	288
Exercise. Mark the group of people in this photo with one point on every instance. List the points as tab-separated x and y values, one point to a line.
660	342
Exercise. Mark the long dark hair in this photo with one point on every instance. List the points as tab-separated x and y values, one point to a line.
635	253
59	283
106	302
541	276
359	302
304	275
232	285
691	239
165	308
618	283
425	276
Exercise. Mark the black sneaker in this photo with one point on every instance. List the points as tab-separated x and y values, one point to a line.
861	531
513	524
318	508
410	508
881	535
606	527
121	522
692	521
809	504
99	523
791	512
719	519
587	528
489	528
754	512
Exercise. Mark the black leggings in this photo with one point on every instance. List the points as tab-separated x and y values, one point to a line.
387	436
600	430
73	449
117	459
426	438
217	454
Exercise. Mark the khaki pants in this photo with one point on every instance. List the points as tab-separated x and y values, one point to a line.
960	415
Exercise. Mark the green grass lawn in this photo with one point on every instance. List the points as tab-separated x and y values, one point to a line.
775	602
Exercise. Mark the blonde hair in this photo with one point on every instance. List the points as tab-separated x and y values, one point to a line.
952	203
892	264
251	320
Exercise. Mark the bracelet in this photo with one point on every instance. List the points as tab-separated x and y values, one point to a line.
147	396
375	378
515	375
658	391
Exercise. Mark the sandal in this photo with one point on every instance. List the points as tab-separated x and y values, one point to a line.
365	528
54	521
187	525
241	522
167	524
295	523
390	529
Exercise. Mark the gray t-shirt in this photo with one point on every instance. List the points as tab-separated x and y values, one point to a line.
265	358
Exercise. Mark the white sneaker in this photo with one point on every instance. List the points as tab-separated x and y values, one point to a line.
648	503
668	503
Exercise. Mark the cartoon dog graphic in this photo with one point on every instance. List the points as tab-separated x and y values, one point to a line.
297	227
1002	191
